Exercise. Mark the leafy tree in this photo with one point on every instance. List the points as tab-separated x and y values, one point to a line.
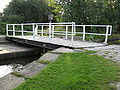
92	12
56	9
27	11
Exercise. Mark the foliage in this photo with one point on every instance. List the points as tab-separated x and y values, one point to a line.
44	61
12	19
26	11
17	74
92	12
75	71
79	11
114	39
56	9
2	28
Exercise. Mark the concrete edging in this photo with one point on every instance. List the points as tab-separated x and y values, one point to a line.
11	81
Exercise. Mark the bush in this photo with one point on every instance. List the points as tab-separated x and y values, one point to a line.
114	39
2	28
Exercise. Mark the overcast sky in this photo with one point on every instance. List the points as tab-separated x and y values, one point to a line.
3	4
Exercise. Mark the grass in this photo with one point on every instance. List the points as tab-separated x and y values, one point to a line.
17	74
75	71
44	61
114	39
117	42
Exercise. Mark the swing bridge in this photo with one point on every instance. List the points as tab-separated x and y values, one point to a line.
55	35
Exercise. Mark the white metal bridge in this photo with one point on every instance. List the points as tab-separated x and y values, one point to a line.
62	34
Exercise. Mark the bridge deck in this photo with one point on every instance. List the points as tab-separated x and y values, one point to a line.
60	42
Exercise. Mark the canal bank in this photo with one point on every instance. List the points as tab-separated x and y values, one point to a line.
20	74
12	50
14	56
16	78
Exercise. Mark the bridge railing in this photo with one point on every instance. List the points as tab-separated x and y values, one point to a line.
58	29
76	30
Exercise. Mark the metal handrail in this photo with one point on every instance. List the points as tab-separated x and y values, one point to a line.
51	29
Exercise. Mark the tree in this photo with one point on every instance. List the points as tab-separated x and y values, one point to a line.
1	14
92	12
27	11
83	11
56	9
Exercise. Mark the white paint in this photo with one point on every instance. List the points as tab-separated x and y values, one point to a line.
4	70
3	4
71	33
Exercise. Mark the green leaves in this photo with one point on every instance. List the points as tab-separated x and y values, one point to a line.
92	12
30	10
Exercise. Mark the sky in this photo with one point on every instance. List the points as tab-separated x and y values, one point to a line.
3	4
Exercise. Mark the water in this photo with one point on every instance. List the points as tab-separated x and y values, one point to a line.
5	69
9	65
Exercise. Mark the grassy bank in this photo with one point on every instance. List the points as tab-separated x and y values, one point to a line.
75	71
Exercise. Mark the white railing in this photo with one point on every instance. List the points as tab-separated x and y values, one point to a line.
56	29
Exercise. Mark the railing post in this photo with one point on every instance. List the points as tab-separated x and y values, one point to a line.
33	26
42	31
74	28
36	28
72	33
7	30
106	36
110	30
53	28
22	29
66	31
50	30
83	32
13	30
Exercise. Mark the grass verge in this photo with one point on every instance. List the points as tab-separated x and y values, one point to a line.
17	74
44	61
75	71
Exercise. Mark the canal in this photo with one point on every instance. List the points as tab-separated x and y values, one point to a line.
9	65
22	55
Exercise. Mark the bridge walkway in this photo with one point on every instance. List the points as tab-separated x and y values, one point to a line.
53	42
48	35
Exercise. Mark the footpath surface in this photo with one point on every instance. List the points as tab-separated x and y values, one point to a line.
109	52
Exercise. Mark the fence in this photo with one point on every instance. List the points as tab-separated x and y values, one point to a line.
52	30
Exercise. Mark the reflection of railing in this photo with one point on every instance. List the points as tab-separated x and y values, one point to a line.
56	29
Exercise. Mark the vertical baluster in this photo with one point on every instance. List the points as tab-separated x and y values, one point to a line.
22	30
13	30
83	32
33	26
66	31
42	31
106	36
7	30
53	28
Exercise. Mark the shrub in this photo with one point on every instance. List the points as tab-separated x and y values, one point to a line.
2	28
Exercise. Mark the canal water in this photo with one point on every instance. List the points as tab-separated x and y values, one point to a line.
9	65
